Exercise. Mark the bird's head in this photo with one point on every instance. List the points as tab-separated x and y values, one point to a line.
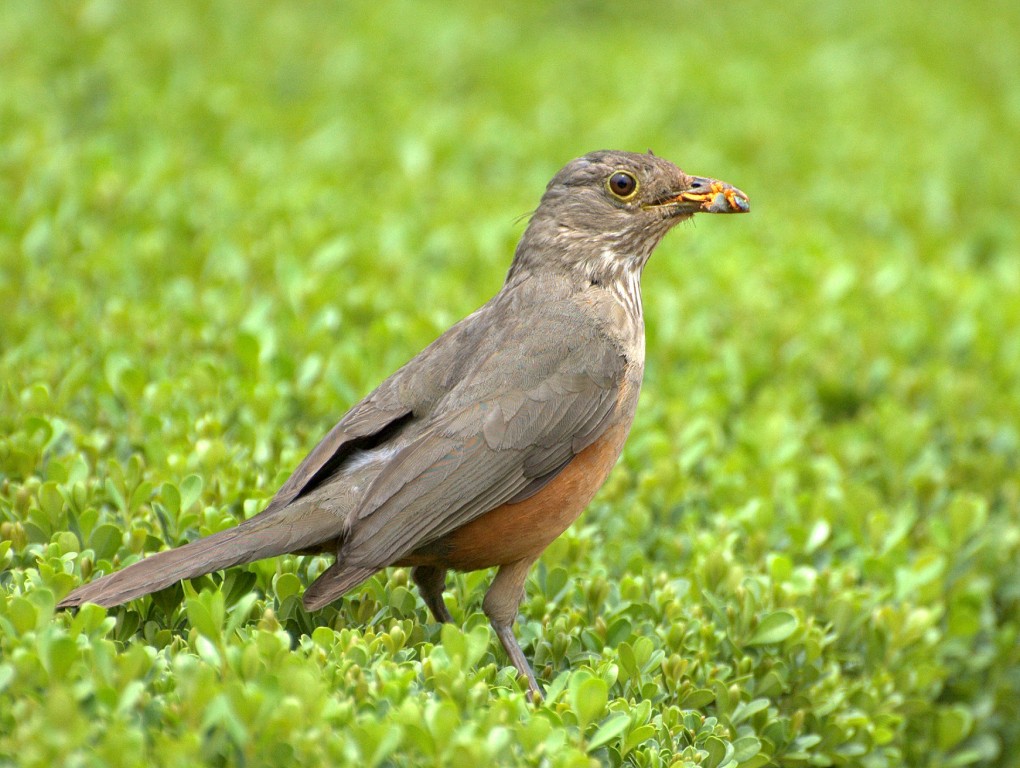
608	210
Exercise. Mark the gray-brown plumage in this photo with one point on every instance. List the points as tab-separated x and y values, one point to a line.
489	443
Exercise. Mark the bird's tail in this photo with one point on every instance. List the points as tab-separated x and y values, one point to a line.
334	582
265	535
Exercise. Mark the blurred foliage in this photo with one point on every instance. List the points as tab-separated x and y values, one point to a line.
221	224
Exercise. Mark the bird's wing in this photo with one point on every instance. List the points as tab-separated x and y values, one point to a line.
530	404
364	425
410	393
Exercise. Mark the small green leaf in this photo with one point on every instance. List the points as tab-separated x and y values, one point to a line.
533	732
745	748
454	642
609	730
442	719
191	490
114	494
106	540
555	581
618	631
60	654
819	535
239	611
952	725
628	662
698	698
237	585
774	628
23	615
286	585
636	737
377	741
206	614
717	749
51	502
478	640
402	601
588	697
220	714
141	494
171	496
746	710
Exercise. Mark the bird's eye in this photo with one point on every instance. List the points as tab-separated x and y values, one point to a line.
622	184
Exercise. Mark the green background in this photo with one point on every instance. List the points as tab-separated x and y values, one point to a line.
221	224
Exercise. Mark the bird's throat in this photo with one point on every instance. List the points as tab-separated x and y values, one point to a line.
615	284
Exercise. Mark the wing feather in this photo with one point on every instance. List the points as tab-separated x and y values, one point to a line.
475	459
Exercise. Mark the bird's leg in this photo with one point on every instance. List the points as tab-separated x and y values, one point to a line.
431	581
501	604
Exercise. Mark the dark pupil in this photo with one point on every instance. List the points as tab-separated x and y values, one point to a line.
622	183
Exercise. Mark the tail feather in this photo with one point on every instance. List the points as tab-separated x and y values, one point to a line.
333	583
260	537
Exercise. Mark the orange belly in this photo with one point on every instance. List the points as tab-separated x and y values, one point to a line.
513	532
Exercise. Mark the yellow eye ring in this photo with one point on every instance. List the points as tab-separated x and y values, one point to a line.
622	185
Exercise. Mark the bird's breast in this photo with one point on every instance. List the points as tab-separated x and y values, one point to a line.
521	531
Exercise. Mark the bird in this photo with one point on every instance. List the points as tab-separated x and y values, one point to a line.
489	443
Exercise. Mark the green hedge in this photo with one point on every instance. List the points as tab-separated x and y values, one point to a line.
221	224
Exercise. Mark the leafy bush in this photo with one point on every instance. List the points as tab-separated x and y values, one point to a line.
222	224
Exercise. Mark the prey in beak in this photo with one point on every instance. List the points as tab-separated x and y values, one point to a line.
705	195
